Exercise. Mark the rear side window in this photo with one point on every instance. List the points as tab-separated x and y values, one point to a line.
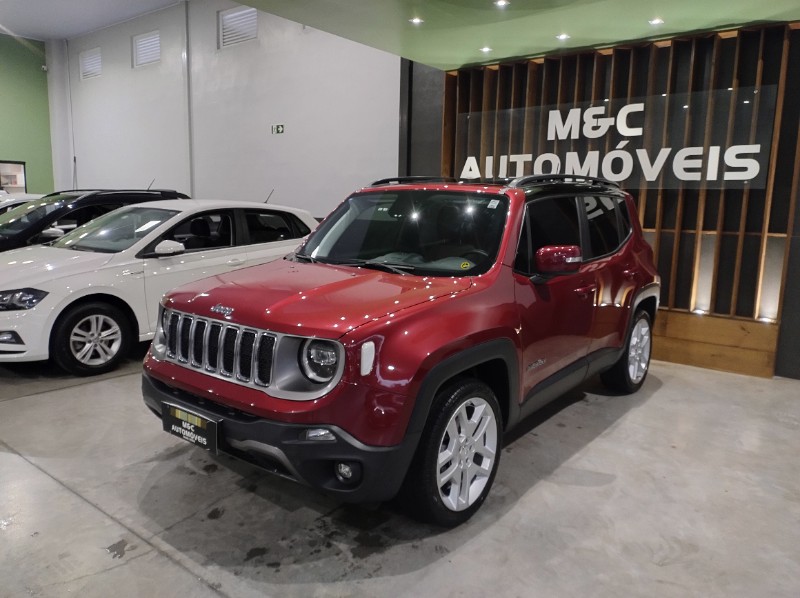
266	227
548	221
606	225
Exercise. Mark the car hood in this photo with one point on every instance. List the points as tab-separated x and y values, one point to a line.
36	265
310	299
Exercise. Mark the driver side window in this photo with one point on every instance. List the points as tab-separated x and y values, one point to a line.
547	221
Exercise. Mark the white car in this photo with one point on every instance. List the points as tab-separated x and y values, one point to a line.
83	299
12	200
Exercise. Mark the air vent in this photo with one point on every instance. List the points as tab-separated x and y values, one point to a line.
146	48
237	25
91	64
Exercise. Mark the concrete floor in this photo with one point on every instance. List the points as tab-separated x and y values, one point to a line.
689	488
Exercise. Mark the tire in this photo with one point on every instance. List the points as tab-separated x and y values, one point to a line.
456	461
629	372
90	339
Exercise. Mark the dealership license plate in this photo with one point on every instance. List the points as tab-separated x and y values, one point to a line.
190	426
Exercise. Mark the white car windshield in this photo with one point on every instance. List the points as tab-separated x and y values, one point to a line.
115	231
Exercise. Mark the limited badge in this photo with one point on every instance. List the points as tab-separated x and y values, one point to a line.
465	265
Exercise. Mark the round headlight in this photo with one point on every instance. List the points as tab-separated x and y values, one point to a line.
318	360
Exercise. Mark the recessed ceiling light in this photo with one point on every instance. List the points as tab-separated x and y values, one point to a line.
656	21
502	3
562	37
416	21
486	49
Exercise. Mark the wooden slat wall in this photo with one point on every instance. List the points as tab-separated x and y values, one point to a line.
745	229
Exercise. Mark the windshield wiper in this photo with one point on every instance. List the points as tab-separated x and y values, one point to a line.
301	257
394	267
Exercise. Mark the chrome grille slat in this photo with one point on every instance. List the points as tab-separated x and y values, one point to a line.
219	348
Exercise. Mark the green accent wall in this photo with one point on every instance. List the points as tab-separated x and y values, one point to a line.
24	111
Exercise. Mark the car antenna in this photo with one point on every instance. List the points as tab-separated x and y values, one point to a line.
151	183
270	195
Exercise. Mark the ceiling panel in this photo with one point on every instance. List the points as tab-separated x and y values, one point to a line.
452	32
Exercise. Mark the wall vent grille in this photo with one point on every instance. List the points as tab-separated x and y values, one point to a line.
91	64
146	48
237	25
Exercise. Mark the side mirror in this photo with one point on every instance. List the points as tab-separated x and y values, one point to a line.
558	259
50	234
167	248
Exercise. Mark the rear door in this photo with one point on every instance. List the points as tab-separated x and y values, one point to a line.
270	234
612	265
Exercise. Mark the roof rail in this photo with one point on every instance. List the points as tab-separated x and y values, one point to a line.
401	180
545	178
165	193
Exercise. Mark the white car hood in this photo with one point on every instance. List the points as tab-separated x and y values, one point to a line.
32	266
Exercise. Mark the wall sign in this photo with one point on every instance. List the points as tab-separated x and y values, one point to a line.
653	141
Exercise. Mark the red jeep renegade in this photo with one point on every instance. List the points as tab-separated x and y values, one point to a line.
421	321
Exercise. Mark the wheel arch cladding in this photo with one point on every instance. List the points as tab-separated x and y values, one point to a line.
494	363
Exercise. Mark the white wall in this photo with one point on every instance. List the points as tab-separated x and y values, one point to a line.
131	125
60	119
338	101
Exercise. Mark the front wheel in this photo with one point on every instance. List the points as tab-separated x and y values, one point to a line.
90	339
457	459
628	374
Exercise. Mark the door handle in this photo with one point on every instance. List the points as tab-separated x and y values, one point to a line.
629	274
584	292
235	261
132	272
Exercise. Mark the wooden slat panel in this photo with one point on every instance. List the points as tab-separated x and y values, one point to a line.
730	332
776	133
449	109
715	357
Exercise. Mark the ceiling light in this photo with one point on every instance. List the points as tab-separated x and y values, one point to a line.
502	3
416	21
656	21
562	37
486	49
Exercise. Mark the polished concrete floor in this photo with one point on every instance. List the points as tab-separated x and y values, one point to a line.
689	488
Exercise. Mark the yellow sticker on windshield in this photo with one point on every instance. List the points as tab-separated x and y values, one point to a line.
465	265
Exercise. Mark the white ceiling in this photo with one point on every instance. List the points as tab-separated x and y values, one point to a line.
65	19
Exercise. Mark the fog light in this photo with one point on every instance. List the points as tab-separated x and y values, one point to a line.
10	338
348	472
319	435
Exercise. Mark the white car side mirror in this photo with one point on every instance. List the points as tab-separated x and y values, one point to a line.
51	233
168	247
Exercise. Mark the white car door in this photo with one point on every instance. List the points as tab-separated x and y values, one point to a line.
210	250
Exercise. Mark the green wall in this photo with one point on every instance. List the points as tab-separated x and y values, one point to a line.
24	112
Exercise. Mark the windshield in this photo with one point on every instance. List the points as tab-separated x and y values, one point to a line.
436	233
115	231
29	214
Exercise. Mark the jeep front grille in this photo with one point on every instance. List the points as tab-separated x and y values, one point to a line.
224	350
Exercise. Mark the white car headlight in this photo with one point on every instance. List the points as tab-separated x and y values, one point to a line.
20	299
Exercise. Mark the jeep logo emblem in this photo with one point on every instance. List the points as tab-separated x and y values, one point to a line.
223	310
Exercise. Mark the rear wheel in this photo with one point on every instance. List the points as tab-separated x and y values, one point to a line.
456	462
628	374
90	339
